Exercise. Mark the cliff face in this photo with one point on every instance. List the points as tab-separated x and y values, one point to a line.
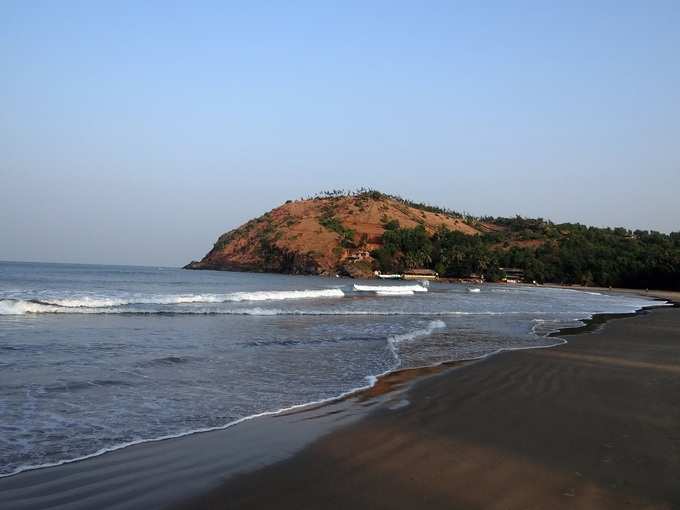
319	236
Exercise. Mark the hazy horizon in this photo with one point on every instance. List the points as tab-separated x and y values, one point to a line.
137	134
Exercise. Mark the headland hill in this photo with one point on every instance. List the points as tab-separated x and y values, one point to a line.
361	233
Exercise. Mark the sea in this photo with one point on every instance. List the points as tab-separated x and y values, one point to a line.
95	358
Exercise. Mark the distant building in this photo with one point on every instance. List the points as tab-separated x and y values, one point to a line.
420	274
512	274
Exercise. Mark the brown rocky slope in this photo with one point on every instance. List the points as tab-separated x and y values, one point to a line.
324	235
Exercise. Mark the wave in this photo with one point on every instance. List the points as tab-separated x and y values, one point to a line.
20	307
390	289
275	295
95	302
88	304
394	341
406	292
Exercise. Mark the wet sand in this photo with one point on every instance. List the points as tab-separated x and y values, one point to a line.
591	424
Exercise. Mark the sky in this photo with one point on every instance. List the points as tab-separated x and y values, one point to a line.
137	132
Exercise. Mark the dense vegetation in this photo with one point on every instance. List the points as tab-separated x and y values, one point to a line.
566	253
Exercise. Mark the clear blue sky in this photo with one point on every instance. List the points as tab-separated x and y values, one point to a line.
137	132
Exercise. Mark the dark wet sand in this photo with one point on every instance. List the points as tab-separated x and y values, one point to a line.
591	424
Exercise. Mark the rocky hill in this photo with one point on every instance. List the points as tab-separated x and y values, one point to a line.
324	235
353	234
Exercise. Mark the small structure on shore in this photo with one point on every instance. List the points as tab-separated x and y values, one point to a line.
512	274
389	276
420	274
473	278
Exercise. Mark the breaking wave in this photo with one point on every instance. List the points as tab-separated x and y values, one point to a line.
395	293
390	290
20	307
89	304
275	295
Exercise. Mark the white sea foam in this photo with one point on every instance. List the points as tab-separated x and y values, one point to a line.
275	295
20	307
394	341
88	304
392	289
396	292
108	302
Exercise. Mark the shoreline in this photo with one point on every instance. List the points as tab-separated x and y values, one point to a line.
349	467
672	296
387	387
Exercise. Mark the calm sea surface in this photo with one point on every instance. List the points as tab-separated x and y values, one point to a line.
95	357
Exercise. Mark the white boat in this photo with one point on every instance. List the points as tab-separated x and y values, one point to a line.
390	276
474	289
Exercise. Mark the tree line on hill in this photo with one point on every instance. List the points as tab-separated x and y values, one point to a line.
565	253
373	194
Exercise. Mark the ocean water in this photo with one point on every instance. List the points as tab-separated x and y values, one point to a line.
93	358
